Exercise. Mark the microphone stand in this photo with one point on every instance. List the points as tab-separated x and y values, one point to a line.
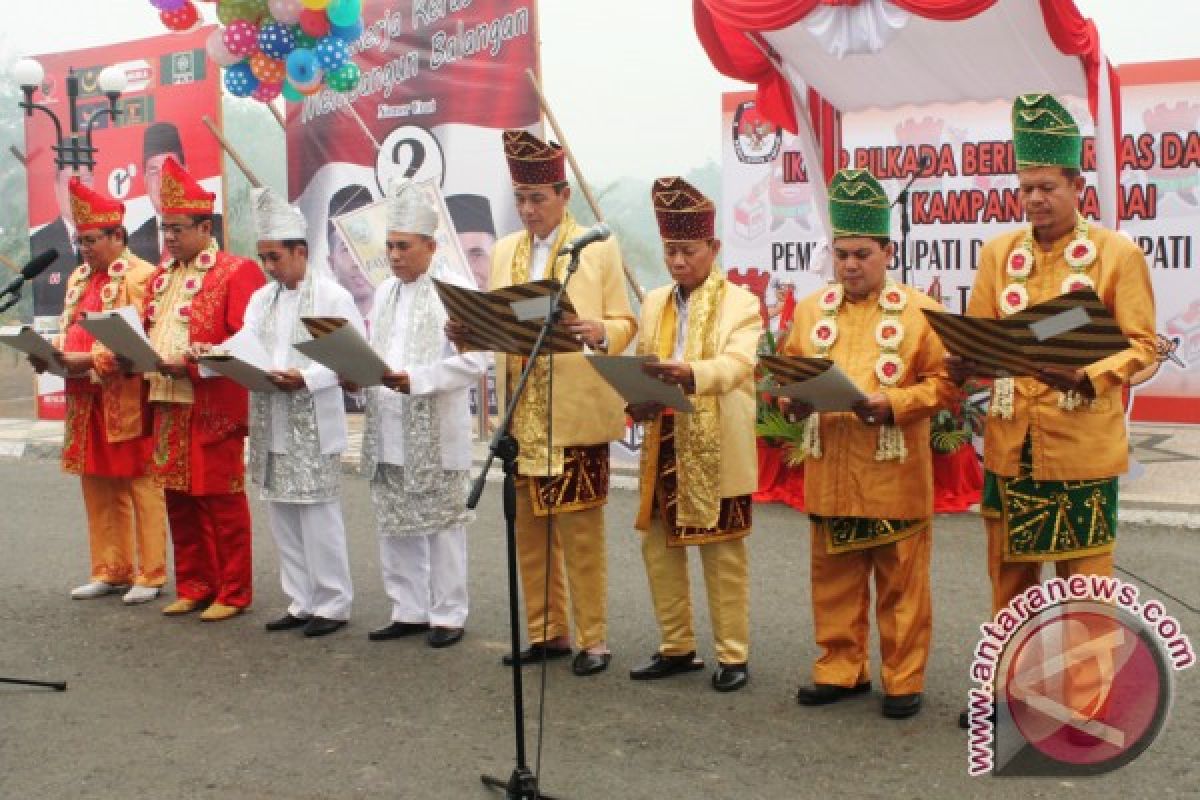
905	224
522	784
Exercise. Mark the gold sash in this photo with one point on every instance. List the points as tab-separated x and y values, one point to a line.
530	422
698	433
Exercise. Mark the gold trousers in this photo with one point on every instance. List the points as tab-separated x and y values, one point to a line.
1011	578
577	559
841	600
726	581
127	529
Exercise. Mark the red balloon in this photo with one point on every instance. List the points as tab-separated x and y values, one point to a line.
315	23
182	19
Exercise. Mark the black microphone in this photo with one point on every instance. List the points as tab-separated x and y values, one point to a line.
923	163
35	267
597	233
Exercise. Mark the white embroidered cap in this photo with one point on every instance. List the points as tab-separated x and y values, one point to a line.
274	219
410	211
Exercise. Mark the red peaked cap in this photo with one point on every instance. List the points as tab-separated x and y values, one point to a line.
683	213
532	162
91	210
181	193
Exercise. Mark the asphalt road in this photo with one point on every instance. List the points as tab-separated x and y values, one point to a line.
178	708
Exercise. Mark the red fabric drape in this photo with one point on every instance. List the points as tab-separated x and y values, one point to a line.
763	15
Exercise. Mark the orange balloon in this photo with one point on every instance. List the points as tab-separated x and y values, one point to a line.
267	69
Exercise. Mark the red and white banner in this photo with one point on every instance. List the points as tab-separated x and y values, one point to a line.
773	237
440	81
171	87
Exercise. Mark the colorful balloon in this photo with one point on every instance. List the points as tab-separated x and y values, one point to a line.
181	19
241	37
267	69
168	5
286	11
217	51
314	23
313	86
345	78
332	53
302	39
266	92
301	66
349	33
276	40
290	94
343	13
239	80
315	5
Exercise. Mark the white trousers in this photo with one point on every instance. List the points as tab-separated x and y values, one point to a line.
313	565
426	577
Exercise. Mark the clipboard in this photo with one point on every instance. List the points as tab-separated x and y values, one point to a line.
28	341
496	325
1070	331
817	382
624	373
339	346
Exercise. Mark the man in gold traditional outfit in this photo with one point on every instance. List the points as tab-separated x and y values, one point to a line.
698	468
868	475
1055	442
565	479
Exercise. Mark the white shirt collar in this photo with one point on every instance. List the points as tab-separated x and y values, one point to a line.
548	241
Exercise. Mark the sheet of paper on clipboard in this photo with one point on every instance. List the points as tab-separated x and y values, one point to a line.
818	382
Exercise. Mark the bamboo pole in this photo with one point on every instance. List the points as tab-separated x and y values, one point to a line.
349	108
583	184
8	263
228	148
275	112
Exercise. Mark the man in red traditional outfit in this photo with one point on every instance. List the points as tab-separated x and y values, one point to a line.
200	295
105	438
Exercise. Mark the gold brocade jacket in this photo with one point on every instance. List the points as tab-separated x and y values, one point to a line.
730	377
1090	441
847	481
587	411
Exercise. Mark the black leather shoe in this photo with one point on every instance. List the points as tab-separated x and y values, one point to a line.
537	653
320	626
730	677
822	694
397	630
586	663
445	637
901	706
286	623
661	666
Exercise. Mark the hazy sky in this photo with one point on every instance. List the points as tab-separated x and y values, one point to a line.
627	79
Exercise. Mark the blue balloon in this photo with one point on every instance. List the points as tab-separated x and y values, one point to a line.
275	40
347	33
301	65
240	80
332	53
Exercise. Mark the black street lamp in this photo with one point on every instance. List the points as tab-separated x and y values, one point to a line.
74	151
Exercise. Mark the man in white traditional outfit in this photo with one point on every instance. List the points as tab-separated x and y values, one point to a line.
297	434
416	442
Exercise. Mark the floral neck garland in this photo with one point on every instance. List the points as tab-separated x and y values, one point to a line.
1080	254
889	367
117	271
192	284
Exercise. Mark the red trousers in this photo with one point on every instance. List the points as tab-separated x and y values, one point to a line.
212	537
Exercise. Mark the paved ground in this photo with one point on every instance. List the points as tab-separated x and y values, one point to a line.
178	708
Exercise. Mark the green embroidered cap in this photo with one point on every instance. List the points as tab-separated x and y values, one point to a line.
1044	133
858	206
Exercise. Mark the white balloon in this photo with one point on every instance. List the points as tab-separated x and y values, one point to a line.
217	50
285	11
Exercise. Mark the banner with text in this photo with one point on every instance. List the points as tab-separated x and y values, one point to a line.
774	245
171	87
440	81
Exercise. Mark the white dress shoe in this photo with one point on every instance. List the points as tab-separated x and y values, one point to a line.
95	589
140	594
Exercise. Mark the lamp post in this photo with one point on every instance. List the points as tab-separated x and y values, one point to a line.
76	150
